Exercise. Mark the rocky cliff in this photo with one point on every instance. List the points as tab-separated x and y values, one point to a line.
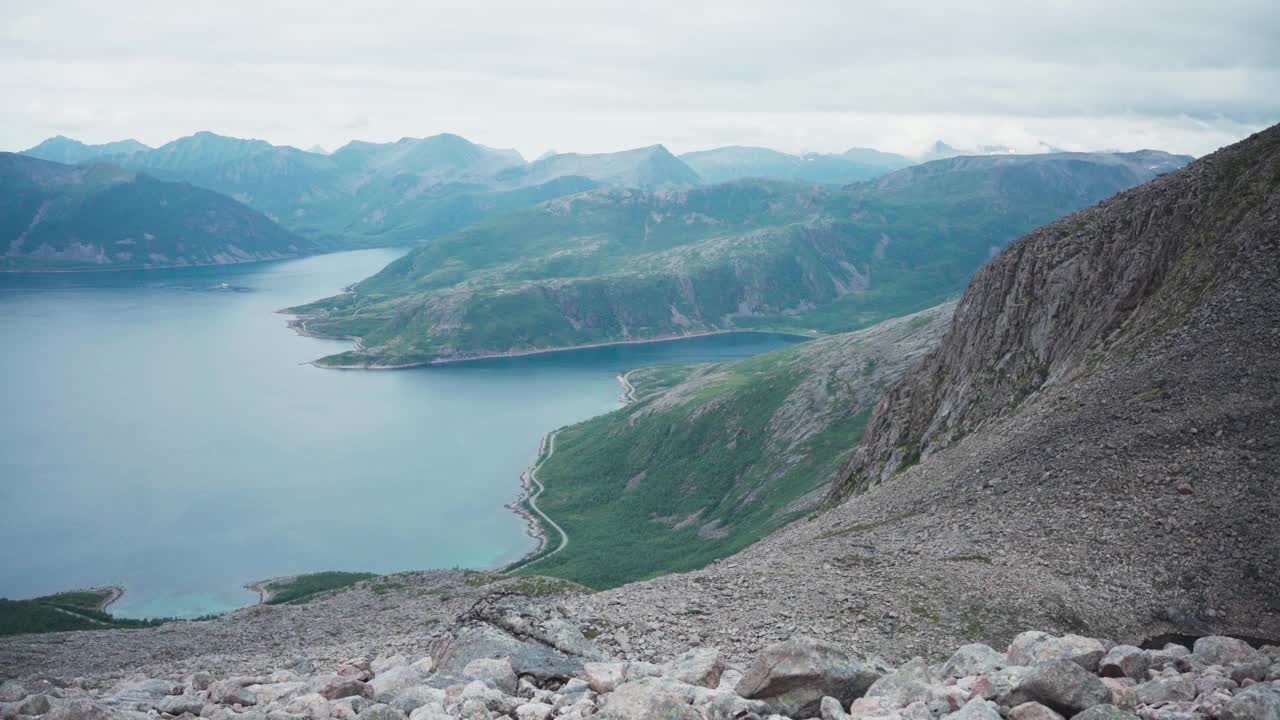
1108	287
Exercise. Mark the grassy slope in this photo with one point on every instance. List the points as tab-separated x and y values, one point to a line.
713	457
614	265
78	610
303	588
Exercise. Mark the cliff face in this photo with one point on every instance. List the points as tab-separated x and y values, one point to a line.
1104	283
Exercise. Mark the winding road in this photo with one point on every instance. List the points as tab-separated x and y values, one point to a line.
533	505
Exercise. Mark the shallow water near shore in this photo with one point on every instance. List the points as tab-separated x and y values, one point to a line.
162	432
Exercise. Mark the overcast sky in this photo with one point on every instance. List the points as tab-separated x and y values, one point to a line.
797	75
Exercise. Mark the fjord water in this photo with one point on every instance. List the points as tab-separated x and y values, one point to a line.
161	431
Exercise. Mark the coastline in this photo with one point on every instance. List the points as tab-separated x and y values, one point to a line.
528	480
156	267
524	353
260	587
628	390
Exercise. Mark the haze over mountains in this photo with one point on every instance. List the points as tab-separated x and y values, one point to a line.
419	189
90	216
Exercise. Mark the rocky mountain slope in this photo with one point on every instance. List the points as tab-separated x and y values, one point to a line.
734	163
710	458
451	645
1092	449
65	150
55	216
616	265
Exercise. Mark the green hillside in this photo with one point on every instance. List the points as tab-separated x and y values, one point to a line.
712	457
617	264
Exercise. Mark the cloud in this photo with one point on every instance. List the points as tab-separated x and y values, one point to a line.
592	76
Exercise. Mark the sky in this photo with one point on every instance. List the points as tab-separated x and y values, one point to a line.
797	75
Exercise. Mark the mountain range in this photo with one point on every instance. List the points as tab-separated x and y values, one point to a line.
625	264
56	216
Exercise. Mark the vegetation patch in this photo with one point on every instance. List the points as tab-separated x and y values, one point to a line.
305	588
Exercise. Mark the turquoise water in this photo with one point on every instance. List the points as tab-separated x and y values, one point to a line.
160	431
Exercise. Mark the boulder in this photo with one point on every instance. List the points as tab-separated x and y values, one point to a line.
1258	702
143	693
1222	650
338	686
793	676
311	705
1062	685
79	710
496	673
1255	670
977	709
431	712
37	704
1033	647
534	711
394	679
700	666
649	699
1167	688
909	683
1033	711
1104	712
974	659
1124	661
830	709
407	700
201	680
12	691
603	677
179	704
1124	691
381	711
231	692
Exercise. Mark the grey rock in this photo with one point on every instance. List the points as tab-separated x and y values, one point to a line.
1255	670
977	709
407	700
393	679
179	704
1104	712
381	711
1222	650
37	704
495	672
1258	702
1062	685
340	687
793	676
830	709
231	692
974	659
1124	661
80	710
1032	647
534	711
12	691
603	677
700	666
145	693
909	683
1166	689
649	699
1033	711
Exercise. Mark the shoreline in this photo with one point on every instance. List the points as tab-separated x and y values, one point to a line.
528	479
628	390
260	587
524	353
159	267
